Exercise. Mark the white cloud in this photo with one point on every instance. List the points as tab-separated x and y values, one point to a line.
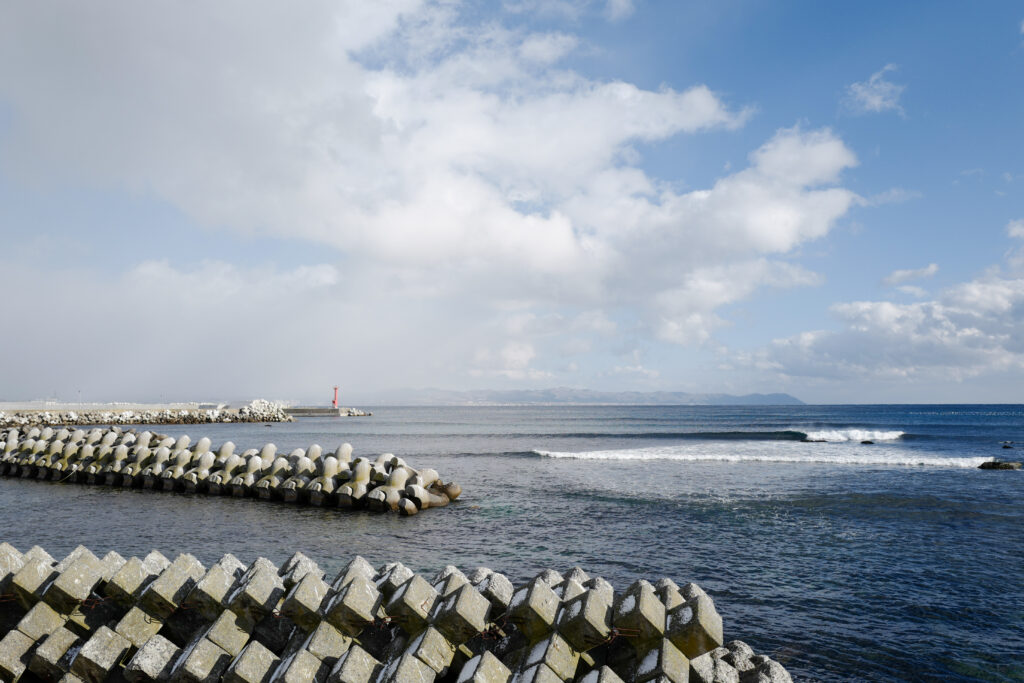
480	201
898	277
876	94
617	10
1015	228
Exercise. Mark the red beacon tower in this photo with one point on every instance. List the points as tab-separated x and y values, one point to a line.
335	401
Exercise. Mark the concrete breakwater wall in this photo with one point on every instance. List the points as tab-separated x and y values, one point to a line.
87	618
256	411
116	457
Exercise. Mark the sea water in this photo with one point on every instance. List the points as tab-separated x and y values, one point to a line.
892	561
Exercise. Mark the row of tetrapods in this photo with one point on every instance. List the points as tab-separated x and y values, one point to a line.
117	457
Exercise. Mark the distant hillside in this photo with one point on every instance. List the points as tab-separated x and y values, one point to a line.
564	395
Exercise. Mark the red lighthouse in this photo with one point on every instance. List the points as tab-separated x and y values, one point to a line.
335	401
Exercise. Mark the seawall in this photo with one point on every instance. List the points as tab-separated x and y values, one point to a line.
92	618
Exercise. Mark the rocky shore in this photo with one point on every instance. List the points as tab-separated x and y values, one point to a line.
125	458
87	618
256	411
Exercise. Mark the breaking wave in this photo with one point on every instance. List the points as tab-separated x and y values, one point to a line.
840	435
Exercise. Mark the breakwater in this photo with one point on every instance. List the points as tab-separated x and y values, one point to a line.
91	618
255	411
117	457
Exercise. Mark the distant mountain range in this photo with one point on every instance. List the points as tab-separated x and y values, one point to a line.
565	395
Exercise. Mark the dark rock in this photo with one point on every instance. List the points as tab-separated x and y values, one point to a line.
999	465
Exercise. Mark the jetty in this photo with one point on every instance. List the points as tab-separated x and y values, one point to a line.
89	617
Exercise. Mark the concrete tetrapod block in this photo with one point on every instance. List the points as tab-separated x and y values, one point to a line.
585	621
207	597
327	643
301	667
391	576
484	668
255	664
407	669
40	621
52	659
663	662
275	632
539	673
90	615
358	566
669	594
99	655
711	668
355	607
201	661
695	626
302	603
112	563
556	653
297	567
766	670
153	662
640	615
533	609
498	590
15	653
433	649
462	615
411	604
355	666
138	626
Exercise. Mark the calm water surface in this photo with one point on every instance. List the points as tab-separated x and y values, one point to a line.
893	561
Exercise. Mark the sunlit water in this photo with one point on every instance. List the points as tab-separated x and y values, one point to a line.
887	562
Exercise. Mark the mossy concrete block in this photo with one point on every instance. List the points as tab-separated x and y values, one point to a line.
407	669
301	667
551	577
153	661
161	597
11	562
112	563
355	666
155	562
569	589
129	581
201	661
411	604
76	582
230	632
433	649
639	615
358	566
40	621
15	654
539	673
451	583
32	580
711	668
52	659
695	626
663	662
100	655
484	668
598	584
462	615
327	643
207	597
355	607
138	626
255	664
498	590
302	603
258	592
585	621
533	609
189	565
391	577
297	567
556	653
602	675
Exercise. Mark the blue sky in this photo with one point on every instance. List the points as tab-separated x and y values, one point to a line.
235	200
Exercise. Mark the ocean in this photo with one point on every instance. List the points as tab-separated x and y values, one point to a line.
897	560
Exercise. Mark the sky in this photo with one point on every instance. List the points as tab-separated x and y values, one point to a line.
221	200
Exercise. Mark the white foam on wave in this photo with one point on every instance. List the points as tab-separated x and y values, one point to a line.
790	453
840	435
